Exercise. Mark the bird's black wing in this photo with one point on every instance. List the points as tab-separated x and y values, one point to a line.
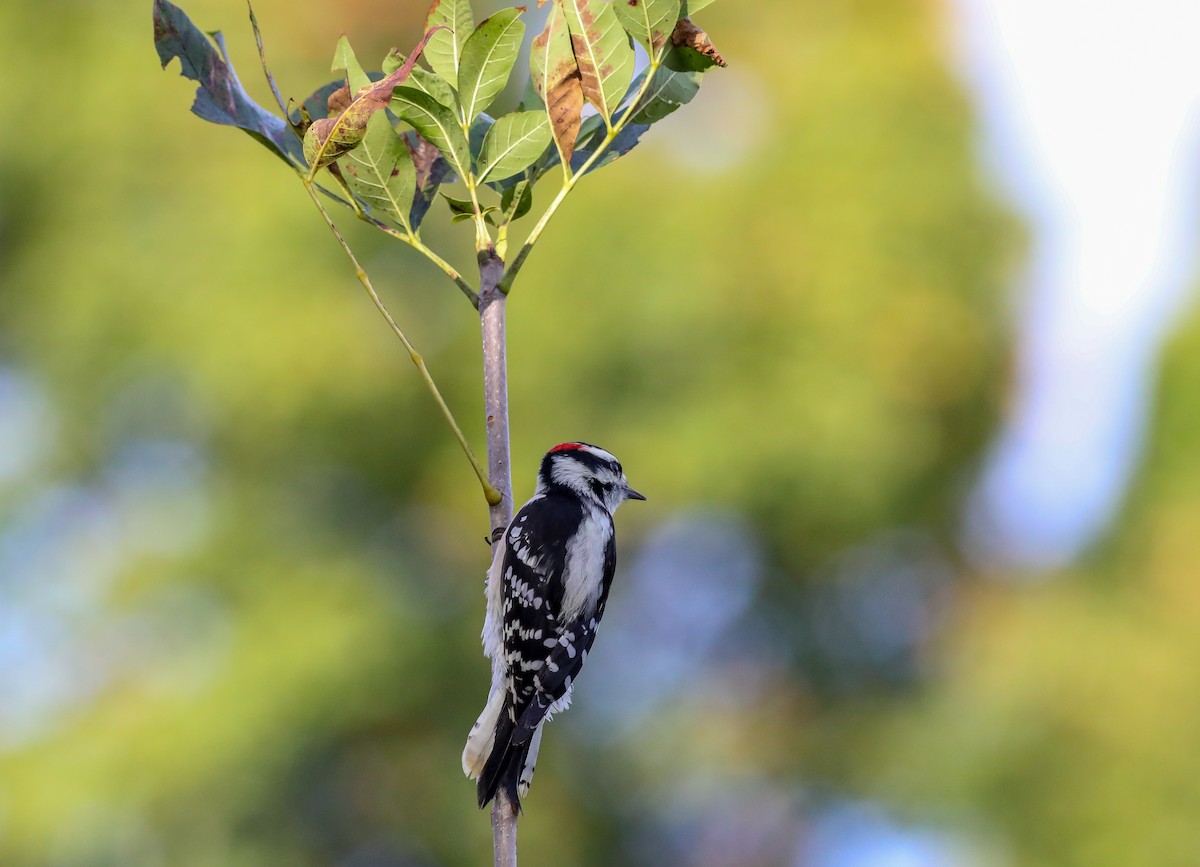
564	650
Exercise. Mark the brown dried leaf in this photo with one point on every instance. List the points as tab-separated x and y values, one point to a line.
432	171
338	102
564	104
557	81
688	35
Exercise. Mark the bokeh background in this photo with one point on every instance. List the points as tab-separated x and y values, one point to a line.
892	324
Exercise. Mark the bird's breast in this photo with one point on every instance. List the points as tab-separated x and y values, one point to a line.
583	576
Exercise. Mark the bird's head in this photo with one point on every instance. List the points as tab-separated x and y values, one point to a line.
588	471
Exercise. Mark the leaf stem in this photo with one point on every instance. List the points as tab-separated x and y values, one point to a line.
408	236
483	238
414	240
490	494
572	178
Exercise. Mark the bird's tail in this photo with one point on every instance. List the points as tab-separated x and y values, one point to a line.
483	735
504	766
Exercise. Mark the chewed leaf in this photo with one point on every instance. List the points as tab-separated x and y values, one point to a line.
220	97
555	77
487	60
380	171
693	49
444	52
602	50
650	22
328	139
513	144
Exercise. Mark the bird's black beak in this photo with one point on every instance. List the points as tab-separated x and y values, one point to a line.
631	494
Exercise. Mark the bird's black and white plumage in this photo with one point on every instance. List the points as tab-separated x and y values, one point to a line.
546	592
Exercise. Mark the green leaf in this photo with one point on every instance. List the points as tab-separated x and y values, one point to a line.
462	210
380	171
487	60
516	201
475	137
625	141
554	74
423	79
691	7
650	22
603	51
436	124
316	106
459	207
344	59
669	89
219	97
444	52
514	143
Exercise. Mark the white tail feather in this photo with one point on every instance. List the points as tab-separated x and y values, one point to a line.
530	762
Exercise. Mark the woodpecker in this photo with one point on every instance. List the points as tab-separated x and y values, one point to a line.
546	591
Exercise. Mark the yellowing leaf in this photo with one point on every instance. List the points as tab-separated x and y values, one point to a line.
602	50
329	138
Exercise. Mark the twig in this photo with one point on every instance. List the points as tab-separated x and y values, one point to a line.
490	493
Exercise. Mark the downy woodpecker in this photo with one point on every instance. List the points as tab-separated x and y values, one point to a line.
546	591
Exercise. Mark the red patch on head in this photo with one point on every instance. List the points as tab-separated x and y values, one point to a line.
566	447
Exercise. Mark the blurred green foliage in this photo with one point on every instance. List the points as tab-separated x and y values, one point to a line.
1067	712
788	303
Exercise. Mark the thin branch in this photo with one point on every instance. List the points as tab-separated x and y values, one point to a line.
572	178
504	831
490	493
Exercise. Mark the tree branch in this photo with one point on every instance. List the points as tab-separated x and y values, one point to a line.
495	395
